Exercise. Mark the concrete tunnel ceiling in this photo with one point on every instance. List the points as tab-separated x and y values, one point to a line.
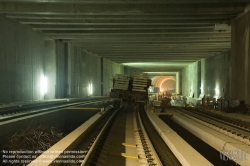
161	35
162	67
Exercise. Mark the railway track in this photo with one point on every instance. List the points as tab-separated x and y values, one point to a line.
236	129
124	135
237	122
10	113
14	119
120	137
122	140
163	151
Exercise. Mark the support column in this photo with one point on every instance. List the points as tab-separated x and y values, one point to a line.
240	56
50	67
70	50
61	69
198	79
101	76
177	81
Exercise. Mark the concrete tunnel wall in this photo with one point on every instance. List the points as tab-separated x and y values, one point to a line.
85	69
109	71
215	75
190	79
25	56
130	70
227	74
209	77
240	59
21	62
77	69
50	67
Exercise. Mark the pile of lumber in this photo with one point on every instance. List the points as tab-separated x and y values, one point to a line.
140	82
121	82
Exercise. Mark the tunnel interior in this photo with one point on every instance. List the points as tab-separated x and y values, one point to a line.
197	51
165	83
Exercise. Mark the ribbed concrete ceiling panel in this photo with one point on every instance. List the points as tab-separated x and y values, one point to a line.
134	31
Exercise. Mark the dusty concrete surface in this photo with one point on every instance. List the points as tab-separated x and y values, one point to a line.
61	69
50	67
240	59
109	70
26	57
21	62
130	70
224	75
190	82
84	68
215	76
209	77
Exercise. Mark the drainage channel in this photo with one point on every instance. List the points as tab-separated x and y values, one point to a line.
203	148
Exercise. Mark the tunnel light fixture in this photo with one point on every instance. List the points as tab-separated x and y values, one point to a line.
216	90
222	27
150	64
216	96
44	84
151	89
90	89
201	88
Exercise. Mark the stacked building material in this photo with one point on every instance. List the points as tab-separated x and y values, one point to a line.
140	82
121	82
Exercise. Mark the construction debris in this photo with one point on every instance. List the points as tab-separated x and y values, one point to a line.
36	139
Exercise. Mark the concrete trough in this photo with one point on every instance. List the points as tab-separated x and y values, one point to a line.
229	147
69	142
62	119
187	155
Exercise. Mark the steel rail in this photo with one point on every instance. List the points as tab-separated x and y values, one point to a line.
163	151
28	111
150	155
217	123
229	122
97	139
43	104
149	144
